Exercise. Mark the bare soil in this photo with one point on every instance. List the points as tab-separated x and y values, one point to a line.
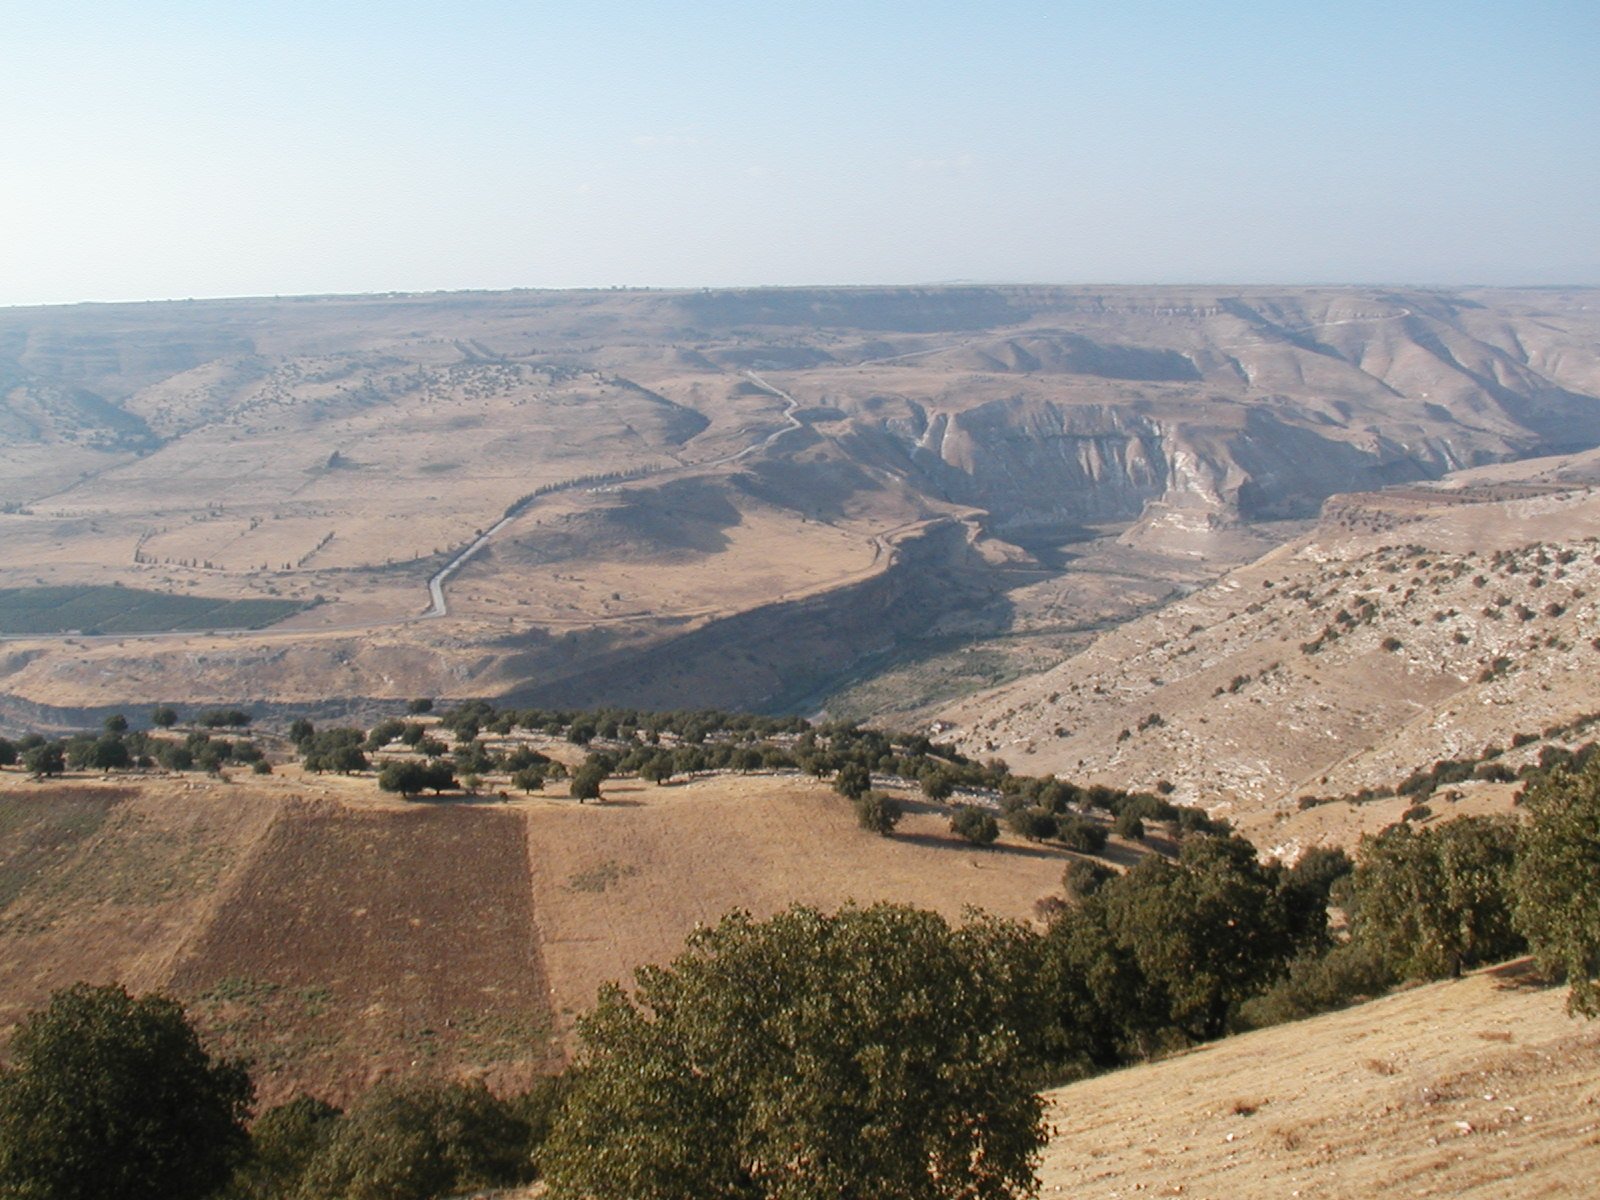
363	944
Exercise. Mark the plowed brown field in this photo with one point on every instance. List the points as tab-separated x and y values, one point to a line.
359	944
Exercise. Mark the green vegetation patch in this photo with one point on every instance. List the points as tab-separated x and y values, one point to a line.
89	610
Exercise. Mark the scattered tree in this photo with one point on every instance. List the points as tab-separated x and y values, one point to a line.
853	781
47	759
1083	834
878	812
586	780
977	825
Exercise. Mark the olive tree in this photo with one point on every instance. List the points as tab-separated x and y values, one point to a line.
874	1052
1557	882
113	1098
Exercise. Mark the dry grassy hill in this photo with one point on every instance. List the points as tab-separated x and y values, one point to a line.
1478	1088
1406	628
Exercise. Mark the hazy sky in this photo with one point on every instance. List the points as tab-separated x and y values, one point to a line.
163	148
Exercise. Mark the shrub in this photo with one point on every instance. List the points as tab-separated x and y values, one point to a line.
877	812
1317	983
977	826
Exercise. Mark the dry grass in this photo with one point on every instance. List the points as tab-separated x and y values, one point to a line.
119	900
1480	1088
621	884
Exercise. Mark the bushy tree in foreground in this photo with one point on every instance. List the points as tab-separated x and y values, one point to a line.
1557	882
874	1052
417	1140
1437	900
113	1098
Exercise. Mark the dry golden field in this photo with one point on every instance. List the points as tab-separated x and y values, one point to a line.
1480	1088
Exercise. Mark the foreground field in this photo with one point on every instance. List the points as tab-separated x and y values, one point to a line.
336	936
1479	1088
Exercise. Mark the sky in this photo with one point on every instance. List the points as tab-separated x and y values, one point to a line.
177	148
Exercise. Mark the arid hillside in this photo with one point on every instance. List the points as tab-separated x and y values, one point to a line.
1479	1088
773	499
337	936
1410	626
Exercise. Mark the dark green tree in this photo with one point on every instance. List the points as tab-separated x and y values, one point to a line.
874	1052
1437	900
1035	824
586	780
418	1140
1208	931
116	723
878	812
853	781
47	759
1082	878
164	716
283	1141
1104	1010
408	777
113	1098
384	732
1557	882
976	825
1083	834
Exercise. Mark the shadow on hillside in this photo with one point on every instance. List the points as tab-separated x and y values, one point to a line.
1520	974
1009	849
